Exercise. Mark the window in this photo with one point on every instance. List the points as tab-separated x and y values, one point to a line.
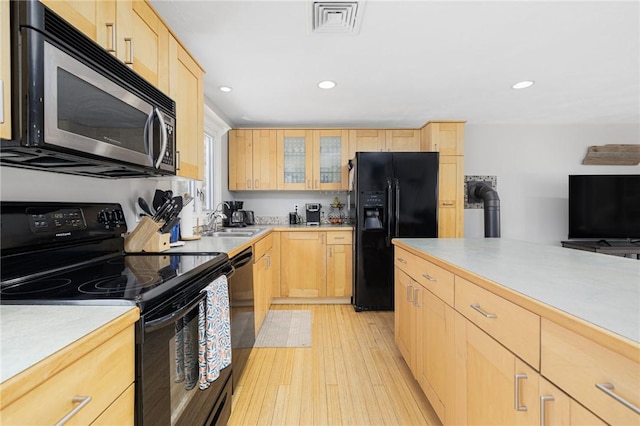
210	192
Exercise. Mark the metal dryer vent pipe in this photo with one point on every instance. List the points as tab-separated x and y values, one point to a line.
491	208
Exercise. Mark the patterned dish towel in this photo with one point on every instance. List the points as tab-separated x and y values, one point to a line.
214	332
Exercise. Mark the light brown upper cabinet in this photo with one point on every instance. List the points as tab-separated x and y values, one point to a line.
186	88
295	159
402	140
79	13
252	159
374	140
447	138
5	72
330	156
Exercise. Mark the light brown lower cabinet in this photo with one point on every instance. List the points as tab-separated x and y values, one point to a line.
105	374
262	279
489	361
315	264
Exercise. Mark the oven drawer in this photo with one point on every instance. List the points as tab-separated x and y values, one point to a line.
578	365
103	374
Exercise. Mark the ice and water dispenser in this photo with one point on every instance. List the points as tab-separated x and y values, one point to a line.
373	210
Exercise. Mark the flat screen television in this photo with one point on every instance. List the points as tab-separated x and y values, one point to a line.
604	206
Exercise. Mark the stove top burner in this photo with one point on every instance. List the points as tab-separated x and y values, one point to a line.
41	286
135	278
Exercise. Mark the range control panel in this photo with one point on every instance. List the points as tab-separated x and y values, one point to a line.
47	220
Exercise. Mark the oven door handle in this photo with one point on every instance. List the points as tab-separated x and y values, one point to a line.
164	321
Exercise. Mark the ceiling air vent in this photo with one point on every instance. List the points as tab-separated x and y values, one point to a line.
336	17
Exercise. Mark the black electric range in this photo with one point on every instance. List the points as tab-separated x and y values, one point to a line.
73	253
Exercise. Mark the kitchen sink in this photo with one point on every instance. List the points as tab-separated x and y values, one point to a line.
233	232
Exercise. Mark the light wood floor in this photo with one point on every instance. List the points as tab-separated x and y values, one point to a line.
352	375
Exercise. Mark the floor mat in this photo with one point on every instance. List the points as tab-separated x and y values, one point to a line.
285	329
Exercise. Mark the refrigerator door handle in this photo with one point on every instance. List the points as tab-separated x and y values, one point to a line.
397	212
389	210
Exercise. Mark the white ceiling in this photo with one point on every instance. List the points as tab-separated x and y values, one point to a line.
415	61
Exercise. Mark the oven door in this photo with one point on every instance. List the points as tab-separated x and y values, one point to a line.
167	370
86	112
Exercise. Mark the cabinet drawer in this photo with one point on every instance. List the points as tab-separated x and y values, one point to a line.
120	412
514	327
434	278
103	374
578	365
339	237
262	246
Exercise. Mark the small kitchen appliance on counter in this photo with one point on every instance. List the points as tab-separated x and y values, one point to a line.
233	212
249	217
313	214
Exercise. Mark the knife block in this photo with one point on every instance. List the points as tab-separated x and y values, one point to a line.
146	237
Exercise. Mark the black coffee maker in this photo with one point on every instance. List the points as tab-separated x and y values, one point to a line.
233	214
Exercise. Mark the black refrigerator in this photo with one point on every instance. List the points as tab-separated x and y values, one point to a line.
392	194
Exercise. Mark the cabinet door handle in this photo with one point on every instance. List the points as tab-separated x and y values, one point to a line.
83	401
268	261
409	293
248	183
130	41
330	251
429	277
477	307
401	260
415	297
447	203
309	184
111	26
316	184
516	392
543	400
256	185
608	389
1	102
177	160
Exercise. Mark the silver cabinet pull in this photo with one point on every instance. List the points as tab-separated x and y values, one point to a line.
409	293
256	185
309	184
316	184
608	389
111	26
401	260
543	400
429	277
330	251
338	238
268	261
415	297
248	183
83	401
130	41
516	392
477	307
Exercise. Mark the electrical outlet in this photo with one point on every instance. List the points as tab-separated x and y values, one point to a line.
295	207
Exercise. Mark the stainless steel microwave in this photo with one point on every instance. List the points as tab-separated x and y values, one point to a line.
78	109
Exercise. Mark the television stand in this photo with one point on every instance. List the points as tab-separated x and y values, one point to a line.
614	247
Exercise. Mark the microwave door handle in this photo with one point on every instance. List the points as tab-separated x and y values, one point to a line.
163	133
148	135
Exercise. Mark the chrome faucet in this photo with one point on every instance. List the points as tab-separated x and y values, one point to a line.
215	215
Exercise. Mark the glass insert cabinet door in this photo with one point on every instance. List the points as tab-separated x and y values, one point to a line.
295	151
330	159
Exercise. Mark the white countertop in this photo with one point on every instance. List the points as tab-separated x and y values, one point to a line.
29	334
231	244
601	289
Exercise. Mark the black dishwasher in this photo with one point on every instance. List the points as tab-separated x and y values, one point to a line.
243	334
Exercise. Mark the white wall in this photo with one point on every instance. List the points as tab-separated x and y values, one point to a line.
29	185
532	164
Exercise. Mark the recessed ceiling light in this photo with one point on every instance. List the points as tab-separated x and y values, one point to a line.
327	84
224	88
523	84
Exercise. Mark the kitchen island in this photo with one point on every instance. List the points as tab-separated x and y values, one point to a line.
516	318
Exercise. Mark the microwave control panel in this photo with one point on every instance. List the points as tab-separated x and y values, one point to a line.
170	153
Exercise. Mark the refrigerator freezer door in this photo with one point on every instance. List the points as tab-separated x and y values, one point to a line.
416	194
